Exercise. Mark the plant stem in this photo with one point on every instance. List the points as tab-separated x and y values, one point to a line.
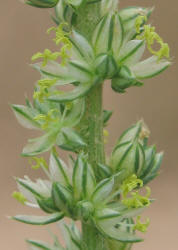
116	245
88	17
92	239
94	119
93	124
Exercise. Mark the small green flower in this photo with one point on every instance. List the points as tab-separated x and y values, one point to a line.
56	121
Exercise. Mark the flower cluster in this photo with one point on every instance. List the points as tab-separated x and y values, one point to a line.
114	53
111	203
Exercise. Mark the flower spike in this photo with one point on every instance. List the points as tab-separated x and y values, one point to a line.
95	42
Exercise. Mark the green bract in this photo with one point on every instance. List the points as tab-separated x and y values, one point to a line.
42	3
96	41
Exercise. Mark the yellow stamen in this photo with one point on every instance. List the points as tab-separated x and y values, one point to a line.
19	197
46	55
142	227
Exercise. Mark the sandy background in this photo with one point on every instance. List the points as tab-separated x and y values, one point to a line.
22	33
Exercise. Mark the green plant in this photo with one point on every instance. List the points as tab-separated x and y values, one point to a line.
97	42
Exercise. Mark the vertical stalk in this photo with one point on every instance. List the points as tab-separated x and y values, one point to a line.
92	238
94	119
116	245
87	19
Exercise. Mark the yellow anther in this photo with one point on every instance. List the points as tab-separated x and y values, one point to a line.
142	227
69	105
105	134
136	200
40	96
19	197
43	92
130	183
40	117
139	21
62	38
38	162
47	83
164	51
47	119
46	55
150	36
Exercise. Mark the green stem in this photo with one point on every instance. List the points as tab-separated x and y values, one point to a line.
87	18
116	245
92	239
94	119
92	124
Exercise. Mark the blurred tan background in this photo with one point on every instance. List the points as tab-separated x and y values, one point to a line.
22	33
